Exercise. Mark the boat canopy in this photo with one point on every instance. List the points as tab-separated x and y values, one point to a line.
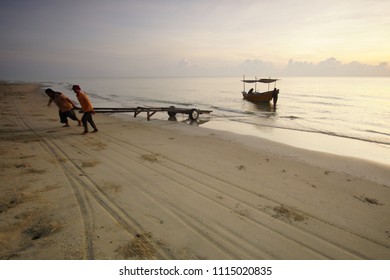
266	81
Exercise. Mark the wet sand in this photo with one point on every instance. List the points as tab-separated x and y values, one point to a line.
168	190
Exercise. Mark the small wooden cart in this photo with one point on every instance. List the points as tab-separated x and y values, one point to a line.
193	113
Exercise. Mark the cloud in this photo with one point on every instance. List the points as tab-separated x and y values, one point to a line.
185	63
330	67
257	67
334	67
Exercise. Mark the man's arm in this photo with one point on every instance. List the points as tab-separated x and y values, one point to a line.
71	102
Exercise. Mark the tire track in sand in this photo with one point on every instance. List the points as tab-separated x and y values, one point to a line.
81	198
84	188
93	190
300	237
171	210
85	211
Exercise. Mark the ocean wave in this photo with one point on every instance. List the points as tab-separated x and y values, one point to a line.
161	101
100	97
289	117
230	110
317	96
322	103
310	130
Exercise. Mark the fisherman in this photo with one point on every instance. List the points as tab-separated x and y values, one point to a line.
87	108
65	106
275	94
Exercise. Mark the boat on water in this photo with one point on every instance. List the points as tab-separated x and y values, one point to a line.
260	97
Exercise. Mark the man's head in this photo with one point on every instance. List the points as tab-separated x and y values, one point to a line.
50	92
76	88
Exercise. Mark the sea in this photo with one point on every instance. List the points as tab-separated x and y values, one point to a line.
342	115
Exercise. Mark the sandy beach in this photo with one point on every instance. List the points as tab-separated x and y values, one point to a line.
158	189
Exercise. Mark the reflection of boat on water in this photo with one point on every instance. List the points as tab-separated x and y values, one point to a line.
264	107
260	97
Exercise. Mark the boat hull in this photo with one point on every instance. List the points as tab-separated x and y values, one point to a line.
260	97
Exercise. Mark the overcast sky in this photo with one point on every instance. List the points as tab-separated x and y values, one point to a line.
43	39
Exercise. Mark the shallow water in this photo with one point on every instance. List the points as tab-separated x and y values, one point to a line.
349	108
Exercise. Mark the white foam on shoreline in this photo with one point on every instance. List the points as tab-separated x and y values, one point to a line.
378	153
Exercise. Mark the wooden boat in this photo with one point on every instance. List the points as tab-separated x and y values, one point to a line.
260	97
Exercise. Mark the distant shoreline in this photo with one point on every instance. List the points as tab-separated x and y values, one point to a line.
51	79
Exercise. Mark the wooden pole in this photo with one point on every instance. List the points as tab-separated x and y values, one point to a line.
255	84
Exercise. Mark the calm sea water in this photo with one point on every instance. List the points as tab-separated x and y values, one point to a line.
350	108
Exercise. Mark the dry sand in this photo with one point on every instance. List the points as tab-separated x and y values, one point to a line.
167	190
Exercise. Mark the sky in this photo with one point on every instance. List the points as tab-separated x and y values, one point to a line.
44	39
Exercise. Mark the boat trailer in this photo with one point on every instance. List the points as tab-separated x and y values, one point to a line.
193	113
